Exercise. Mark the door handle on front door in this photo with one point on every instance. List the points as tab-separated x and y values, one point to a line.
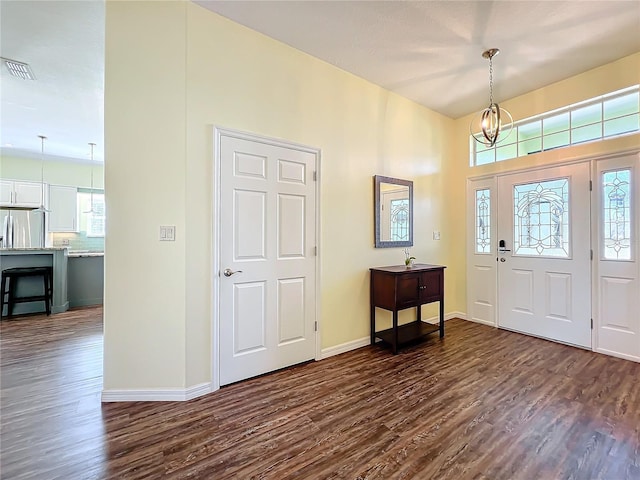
228	272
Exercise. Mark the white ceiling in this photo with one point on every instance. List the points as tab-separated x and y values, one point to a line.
428	51
63	41
431	51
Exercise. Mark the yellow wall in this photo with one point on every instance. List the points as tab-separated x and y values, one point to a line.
56	172
145	180
173	71
193	70
599	81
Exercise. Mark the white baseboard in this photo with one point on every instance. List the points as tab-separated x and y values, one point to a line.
460	315
157	395
483	322
613	353
447	316
344	347
182	395
363	342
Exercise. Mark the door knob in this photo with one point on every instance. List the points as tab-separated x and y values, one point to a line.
228	272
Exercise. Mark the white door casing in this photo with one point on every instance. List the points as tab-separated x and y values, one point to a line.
616	302
267	234
544	285
481	251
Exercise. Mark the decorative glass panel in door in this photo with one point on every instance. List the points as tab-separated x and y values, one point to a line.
541	218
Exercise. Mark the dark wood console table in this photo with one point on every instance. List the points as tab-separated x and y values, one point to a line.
398	287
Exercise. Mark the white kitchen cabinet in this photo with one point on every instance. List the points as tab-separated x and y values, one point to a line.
14	193
63	206
6	192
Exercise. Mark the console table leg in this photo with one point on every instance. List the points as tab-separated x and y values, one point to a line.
373	325
395	332
441	302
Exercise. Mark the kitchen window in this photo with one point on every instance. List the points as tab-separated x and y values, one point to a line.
92	217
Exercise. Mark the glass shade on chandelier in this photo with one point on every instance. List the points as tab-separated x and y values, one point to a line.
493	124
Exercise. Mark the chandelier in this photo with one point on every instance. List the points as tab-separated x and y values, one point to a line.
493	124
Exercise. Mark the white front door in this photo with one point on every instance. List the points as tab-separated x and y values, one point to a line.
267	249
544	272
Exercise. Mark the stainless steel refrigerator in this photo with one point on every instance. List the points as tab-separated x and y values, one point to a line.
22	228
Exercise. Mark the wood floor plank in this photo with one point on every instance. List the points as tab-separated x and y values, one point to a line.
479	404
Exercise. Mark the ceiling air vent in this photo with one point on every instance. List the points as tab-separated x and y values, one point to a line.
19	69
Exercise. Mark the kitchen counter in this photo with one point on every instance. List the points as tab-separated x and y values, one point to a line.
84	253
86	278
39	257
31	251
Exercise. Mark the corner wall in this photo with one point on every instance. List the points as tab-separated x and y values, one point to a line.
175	70
145	171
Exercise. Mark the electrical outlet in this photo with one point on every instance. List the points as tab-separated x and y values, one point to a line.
167	233
65	242
436	235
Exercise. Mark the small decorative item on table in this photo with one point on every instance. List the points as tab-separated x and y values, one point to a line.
408	260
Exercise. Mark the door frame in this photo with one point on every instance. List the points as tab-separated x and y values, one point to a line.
593	160
216	235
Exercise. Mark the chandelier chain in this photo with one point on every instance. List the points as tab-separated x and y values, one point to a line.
490	81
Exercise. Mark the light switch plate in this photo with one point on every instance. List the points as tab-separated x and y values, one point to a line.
167	233
436	235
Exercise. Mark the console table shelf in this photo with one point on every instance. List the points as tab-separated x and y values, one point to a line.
408	333
396	288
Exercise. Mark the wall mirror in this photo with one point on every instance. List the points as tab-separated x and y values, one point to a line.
393	212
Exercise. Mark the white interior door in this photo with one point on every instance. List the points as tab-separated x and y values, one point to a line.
616	287
267	248
544	271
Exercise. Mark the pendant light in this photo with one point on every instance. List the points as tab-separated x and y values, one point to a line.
42	208
91	210
493	124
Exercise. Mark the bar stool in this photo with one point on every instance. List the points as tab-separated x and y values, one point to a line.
12	275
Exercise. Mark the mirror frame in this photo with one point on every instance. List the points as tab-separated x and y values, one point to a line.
379	243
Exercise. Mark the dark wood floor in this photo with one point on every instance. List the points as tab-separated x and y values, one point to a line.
482	404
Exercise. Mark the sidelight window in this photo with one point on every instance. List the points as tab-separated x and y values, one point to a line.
616	194
483	221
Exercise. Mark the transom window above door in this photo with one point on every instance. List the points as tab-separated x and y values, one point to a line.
611	115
